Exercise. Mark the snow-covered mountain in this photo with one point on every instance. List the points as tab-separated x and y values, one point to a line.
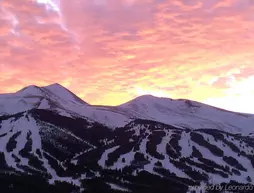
52	141
183	113
51	97
191	114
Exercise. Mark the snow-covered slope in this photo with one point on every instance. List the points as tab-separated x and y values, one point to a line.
183	113
189	114
149	144
50	97
142	156
57	98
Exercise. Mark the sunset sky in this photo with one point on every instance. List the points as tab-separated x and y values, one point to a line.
110	51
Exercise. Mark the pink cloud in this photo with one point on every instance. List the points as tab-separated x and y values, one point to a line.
112	47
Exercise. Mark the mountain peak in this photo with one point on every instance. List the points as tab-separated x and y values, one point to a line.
63	93
30	90
36	88
147	96
146	99
54	85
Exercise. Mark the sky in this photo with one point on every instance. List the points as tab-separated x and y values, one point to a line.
110	51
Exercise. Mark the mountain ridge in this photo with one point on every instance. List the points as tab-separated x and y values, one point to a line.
178	112
54	86
55	142
75	151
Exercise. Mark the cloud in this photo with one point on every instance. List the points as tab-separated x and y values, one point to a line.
104	50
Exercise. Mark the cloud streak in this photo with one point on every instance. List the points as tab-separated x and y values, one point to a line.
109	51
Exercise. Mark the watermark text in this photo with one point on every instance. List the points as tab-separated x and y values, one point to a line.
235	188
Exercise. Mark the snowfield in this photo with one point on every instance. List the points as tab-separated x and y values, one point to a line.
148	144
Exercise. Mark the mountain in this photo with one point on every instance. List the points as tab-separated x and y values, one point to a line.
51	97
191	114
181	113
52	141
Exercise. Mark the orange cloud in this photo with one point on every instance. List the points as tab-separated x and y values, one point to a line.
109	51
